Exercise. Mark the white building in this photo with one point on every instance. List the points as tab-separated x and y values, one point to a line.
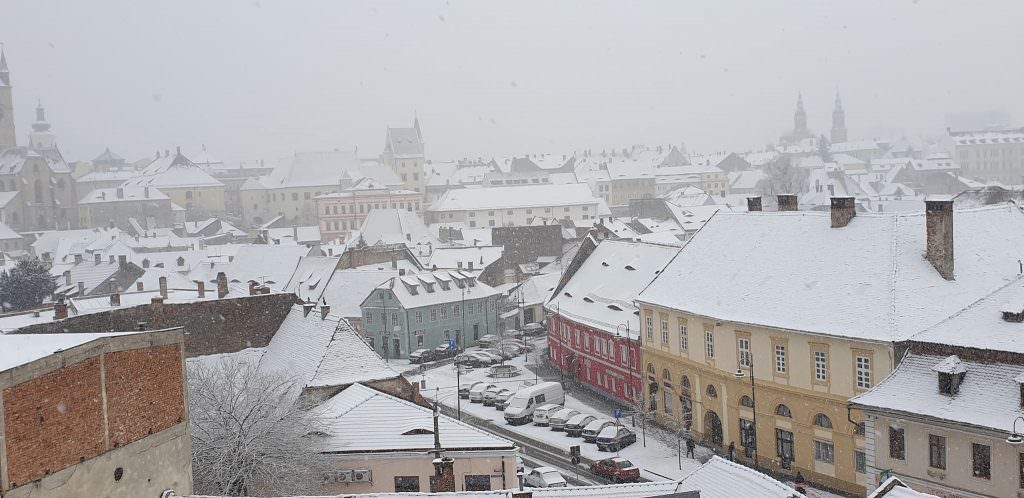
516	206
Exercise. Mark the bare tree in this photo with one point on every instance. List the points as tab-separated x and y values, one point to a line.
249	436
782	177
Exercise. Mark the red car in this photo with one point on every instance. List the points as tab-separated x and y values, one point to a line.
617	469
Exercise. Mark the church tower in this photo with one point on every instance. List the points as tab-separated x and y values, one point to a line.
800	119
41	137
838	122
7	137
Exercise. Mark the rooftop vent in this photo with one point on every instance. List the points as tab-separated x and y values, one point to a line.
587	299
630	268
614	307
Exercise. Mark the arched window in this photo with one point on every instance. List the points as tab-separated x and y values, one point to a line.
181	261
650	369
666	375
684	384
712	392
783	411
145	263
821	420
747	402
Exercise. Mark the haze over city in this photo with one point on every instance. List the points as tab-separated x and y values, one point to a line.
261	79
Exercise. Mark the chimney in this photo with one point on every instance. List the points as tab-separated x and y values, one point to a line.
60	309
324	311
201	286
120	192
939	225
754	203
145	192
401	272
295	233
843	210
787	202
265	289
394	260
163	287
156	311
110	258
252	287
307	307
115	300
67	277
122	261
222	285
81	289
98	258
139	286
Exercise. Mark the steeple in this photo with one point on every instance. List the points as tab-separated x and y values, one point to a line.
838	133
5	74
800	118
41	136
7	135
416	125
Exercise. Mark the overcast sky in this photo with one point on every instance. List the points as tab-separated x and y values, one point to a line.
262	79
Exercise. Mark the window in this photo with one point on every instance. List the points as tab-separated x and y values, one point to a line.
860	460
780	358
981	457
457	310
668	402
747	433
650	370
684	341
936	452
394	319
447	335
747	401
419	338
650	328
896	444
433	314
711	391
444	312
295	196
664	332
1020	461
820	366
478	483
824	452
783	411
863	372
369	317
709	343
407	484
744	350
822	420
419	317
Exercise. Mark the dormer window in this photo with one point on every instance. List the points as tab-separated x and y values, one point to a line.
951	372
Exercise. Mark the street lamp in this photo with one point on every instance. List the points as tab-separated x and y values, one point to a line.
1016	438
753	398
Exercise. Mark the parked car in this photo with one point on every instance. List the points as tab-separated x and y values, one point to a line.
574	426
542	415
486	341
615	438
489	357
617	469
465	388
534	329
501	398
545	477
501	355
524	402
591	430
476	394
511	350
421	356
475	359
489	394
558	420
443	351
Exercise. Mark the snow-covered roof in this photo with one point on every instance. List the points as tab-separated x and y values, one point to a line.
286	235
19	349
745	180
396	226
429	290
687	195
6	233
320	351
601	292
981	325
538	288
128	194
173	171
270	264
404	142
988	396
465	258
950	365
360	419
347	289
323	169
894	488
311	276
868	280
989	137
475	199
720	478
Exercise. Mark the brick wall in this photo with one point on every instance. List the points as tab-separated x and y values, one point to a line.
216	326
142	387
56	420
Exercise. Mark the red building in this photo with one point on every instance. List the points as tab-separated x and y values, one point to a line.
593	326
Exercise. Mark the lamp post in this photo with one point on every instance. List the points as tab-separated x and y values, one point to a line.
1015	438
753	398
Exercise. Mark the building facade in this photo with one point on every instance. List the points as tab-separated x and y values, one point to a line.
341	213
991	155
515	206
114	206
425	310
404	154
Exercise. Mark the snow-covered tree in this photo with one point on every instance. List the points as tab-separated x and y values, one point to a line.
781	177
26	285
249	436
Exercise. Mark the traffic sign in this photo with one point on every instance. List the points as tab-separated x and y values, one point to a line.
423	367
451	344
618	413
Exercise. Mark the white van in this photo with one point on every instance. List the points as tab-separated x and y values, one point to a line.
523	403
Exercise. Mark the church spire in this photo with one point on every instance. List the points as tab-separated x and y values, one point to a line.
5	74
800	118
838	133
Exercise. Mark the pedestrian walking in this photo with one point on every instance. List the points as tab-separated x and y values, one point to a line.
732	451
690	445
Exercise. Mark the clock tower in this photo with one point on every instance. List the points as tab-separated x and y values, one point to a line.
6	105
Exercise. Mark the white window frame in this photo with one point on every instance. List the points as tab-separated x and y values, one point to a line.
664	332
781	365
820	366
709	343
684	340
743	345
863	372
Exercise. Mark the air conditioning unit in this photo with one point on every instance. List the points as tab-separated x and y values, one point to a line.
362	476
343	476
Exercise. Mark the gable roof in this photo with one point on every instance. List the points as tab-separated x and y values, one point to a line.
360	419
404	142
173	171
515	197
867	280
720	478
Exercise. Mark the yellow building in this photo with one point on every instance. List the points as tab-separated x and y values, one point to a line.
188	185
811	304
